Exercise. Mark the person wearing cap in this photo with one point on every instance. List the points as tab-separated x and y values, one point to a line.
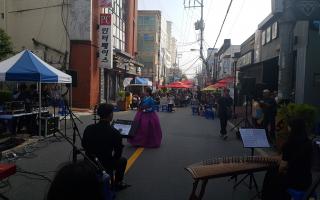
269	107
224	112
104	142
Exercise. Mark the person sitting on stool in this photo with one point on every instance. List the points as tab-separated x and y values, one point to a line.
104	142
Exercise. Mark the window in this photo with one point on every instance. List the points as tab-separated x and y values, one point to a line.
315	25
148	37
140	20
263	38
268	35
149	20
274	30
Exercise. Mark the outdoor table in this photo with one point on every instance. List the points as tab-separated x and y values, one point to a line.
12	118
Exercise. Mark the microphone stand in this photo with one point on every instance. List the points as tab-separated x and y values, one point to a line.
95	119
76	149
75	132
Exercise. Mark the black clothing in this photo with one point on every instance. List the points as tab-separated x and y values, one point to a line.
269	106
225	104
223	125
224	112
298	175
103	141
299	158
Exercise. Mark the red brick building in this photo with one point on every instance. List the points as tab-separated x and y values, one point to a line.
95	84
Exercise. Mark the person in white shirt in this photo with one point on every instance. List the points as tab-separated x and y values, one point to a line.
170	102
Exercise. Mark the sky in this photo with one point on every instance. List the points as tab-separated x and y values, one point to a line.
241	23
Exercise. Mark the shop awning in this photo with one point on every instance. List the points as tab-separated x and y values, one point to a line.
138	81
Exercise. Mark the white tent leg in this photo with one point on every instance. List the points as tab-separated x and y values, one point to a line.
40	108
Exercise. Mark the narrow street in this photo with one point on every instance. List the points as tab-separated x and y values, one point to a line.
156	174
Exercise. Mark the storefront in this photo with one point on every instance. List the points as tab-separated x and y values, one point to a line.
124	67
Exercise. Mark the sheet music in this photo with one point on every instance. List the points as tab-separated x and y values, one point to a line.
254	138
124	129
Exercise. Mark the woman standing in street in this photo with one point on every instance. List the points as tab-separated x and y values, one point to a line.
146	130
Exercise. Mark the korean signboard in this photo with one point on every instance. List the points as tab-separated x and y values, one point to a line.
105	41
105	3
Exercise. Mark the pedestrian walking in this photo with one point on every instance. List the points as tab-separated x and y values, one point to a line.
146	130
170	102
224	112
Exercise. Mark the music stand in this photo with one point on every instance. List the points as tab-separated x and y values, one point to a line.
252	138
245	120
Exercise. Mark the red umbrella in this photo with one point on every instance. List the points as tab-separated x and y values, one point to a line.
226	80
187	82
178	85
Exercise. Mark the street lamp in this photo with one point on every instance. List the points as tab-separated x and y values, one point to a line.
235	57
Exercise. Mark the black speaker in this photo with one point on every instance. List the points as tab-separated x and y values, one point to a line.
248	85
74	75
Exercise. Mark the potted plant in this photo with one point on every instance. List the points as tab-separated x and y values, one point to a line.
287	112
121	100
5	96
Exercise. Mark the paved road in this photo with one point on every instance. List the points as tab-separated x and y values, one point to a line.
157	174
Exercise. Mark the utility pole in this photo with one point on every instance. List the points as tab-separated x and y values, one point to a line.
199	25
287	24
291	11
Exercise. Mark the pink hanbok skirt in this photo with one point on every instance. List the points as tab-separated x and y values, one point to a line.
147	131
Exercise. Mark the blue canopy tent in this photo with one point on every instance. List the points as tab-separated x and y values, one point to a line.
137	81
26	66
142	81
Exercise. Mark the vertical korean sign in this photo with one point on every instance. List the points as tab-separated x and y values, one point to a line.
105	44
105	3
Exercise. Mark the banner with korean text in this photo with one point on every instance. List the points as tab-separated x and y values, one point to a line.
105	41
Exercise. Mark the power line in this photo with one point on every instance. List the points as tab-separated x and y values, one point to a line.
191	66
62	18
222	25
211	3
187	43
237	17
189	61
44	15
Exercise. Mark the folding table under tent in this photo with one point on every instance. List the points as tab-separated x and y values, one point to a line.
27	67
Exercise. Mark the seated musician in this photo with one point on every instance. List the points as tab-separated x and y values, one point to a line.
78	181
103	141
295	168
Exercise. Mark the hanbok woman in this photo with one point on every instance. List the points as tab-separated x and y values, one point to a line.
146	130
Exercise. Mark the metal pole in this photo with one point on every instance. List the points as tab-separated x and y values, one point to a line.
234	86
40	107
5	16
201	33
